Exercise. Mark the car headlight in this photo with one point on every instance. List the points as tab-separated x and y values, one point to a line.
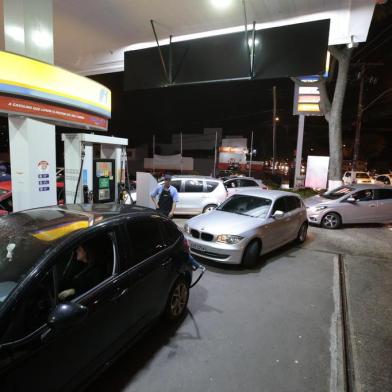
229	239
187	229
320	208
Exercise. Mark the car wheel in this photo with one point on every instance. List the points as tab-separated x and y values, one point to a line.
251	254
302	233
178	300
209	207
331	220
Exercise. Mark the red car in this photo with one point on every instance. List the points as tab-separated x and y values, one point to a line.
6	196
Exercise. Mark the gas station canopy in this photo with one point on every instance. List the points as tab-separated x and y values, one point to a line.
91	36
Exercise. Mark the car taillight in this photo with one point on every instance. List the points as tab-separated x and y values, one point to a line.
185	245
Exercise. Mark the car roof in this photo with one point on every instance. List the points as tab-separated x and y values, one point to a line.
266	193
54	224
242	178
193	176
369	186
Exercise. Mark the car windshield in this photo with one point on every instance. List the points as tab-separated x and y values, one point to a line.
338	192
256	207
362	175
25	238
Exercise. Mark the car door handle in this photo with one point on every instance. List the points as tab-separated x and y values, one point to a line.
166	262
120	294
372	205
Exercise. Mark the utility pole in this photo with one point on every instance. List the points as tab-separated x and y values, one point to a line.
273	129
358	124
361	109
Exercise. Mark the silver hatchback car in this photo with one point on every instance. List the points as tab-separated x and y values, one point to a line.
351	204
247	225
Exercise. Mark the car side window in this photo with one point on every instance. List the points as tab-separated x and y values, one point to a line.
246	183
145	239
171	232
279	205
32	310
194	186
292	203
363	195
6	204
176	184
211	185
231	184
383	194
85	266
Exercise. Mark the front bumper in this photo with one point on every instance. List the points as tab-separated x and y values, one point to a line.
215	251
315	217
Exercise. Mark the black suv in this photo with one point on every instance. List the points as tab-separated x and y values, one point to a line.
78	284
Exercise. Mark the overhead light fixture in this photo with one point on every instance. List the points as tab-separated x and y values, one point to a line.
42	39
250	42
15	32
352	44
221	4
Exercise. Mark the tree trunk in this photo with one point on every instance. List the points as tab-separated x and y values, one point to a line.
335	118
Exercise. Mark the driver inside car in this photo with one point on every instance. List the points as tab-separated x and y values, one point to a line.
83	272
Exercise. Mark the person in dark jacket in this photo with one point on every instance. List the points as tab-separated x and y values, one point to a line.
83	273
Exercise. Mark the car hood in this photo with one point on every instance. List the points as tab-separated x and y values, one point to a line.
221	222
314	200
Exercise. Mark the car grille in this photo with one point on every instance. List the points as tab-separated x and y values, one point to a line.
195	233
207	237
209	254
203	236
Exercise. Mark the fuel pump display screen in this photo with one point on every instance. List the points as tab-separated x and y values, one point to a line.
104	169
103	180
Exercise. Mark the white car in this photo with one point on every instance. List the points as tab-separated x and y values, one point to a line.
247	225
198	194
385	179
234	185
359	178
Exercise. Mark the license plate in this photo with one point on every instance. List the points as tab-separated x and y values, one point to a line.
197	247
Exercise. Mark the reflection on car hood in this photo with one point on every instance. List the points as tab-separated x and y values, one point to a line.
220	222
312	201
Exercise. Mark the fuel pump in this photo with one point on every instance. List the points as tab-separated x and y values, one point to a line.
89	178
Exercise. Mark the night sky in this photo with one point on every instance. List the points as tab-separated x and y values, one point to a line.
242	107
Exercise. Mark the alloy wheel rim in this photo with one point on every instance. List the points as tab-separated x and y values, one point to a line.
330	221
179	298
208	209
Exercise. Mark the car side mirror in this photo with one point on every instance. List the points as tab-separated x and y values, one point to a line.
351	199
278	214
67	315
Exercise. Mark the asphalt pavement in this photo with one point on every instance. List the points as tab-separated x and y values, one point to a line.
277	327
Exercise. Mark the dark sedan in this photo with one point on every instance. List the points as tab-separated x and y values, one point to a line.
78	284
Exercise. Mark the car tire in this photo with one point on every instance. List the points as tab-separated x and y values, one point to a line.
251	254
331	221
178	300
209	207
302	233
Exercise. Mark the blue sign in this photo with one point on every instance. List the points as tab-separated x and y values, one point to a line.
43	175
46	182
43	189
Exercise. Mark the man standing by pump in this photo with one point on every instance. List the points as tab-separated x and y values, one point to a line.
167	197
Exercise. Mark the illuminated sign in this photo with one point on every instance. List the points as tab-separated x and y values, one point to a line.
56	114
32	79
306	100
